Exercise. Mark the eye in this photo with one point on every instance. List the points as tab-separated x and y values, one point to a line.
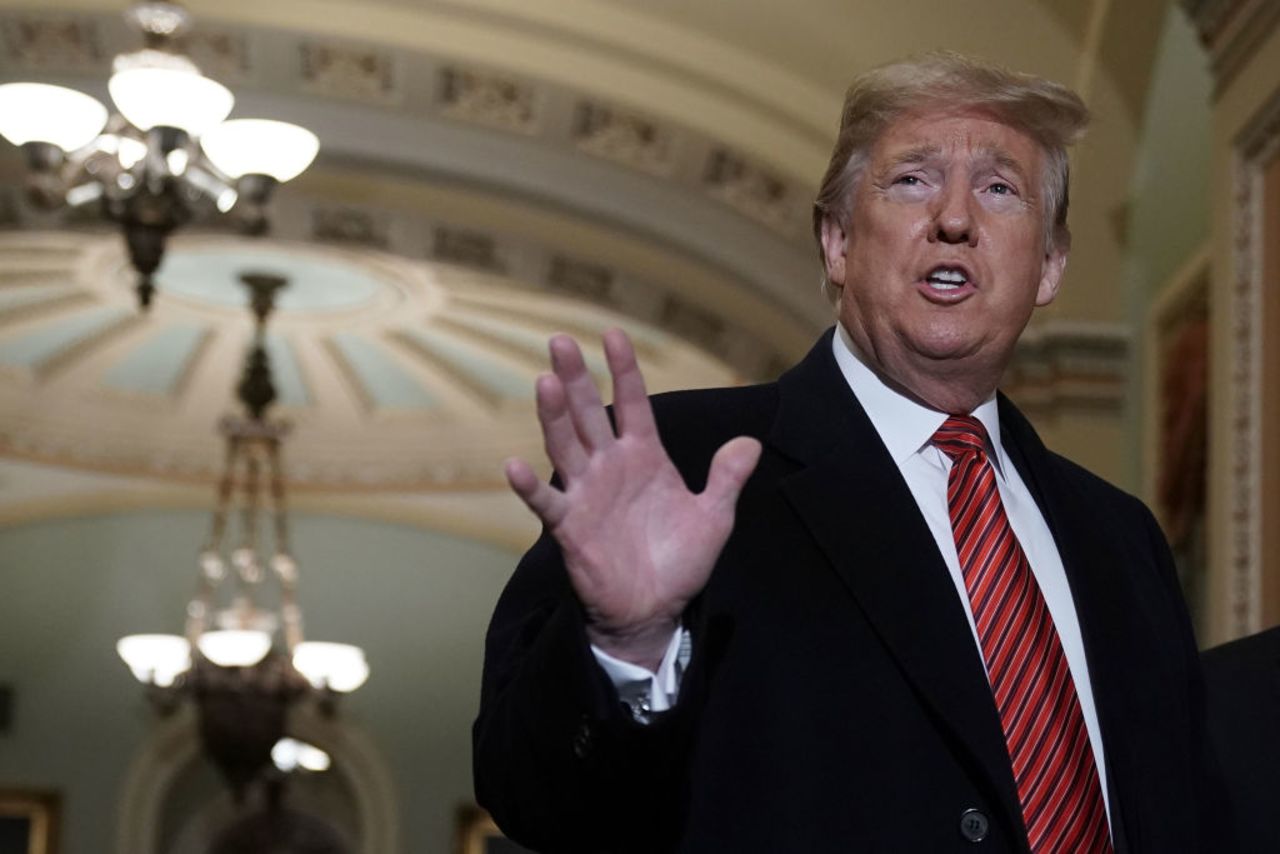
1000	188
908	180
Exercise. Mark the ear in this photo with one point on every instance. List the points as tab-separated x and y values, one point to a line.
834	245
1055	264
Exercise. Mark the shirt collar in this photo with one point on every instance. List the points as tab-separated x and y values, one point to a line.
905	426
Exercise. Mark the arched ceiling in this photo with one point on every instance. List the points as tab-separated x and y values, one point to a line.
564	163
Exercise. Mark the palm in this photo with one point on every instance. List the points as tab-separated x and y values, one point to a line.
638	545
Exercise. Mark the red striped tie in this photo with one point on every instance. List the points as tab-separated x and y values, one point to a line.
1044	728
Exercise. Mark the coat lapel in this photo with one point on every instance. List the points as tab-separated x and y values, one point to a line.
857	507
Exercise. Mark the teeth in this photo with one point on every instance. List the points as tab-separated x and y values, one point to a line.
947	277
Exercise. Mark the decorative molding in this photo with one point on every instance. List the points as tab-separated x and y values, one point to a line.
751	189
1231	31
349	226
693	322
340	71
82	396
221	54
499	101
625	137
1061	367
580	279
467	247
438	87
1259	145
61	43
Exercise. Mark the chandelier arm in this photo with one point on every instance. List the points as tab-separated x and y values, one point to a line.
212	567
248	566
280	510
282	561
218	527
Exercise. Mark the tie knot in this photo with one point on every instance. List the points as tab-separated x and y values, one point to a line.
960	435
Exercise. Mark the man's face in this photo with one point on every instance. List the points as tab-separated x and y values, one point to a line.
943	257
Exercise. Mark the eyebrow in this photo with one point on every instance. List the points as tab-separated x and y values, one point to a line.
918	154
1003	160
986	154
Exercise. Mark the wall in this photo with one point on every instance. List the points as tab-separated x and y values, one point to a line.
1169	214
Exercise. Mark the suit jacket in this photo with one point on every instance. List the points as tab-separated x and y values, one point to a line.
836	700
1242	679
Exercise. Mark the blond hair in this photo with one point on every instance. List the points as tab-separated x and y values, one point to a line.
1048	112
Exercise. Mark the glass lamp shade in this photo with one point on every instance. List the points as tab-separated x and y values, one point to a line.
339	667
127	150
289	753
165	97
155	658
260	147
235	647
38	112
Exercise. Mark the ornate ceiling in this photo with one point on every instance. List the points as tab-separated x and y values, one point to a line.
491	171
398	375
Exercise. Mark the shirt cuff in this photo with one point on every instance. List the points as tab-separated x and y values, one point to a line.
644	692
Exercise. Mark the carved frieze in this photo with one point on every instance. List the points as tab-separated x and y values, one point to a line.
496	100
340	71
61	43
351	226
751	189
220	54
625	137
467	247
580	279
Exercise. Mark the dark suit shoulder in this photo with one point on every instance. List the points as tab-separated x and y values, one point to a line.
1096	487
740	410
1102	495
694	424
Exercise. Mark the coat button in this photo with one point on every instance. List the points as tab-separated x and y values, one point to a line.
974	825
582	740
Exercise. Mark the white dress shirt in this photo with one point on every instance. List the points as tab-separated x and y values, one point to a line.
906	428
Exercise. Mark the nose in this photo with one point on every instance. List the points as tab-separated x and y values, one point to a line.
953	220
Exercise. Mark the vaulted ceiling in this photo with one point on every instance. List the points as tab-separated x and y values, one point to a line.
491	170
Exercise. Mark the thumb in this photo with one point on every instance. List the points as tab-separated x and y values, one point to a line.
730	468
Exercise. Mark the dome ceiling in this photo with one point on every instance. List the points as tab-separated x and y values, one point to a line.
398	375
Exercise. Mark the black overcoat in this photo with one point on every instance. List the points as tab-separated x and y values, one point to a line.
836	700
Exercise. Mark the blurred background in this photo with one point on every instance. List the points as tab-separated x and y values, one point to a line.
489	172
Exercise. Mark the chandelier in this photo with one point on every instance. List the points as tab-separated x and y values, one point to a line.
243	664
166	156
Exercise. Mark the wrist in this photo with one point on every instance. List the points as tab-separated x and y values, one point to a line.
642	645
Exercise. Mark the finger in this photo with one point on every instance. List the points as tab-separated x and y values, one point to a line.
585	407
546	502
730	468
559	436
631	404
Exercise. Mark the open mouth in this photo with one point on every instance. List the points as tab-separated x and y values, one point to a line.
947	278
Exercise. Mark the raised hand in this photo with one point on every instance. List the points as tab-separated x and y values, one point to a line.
638	545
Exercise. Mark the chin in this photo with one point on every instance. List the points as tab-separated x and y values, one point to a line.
945	348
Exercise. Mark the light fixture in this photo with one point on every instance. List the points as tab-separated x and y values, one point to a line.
289	754
167	156
243	663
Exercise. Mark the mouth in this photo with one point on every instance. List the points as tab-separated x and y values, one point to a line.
948	283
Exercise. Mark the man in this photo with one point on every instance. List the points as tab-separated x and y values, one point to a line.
862	608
